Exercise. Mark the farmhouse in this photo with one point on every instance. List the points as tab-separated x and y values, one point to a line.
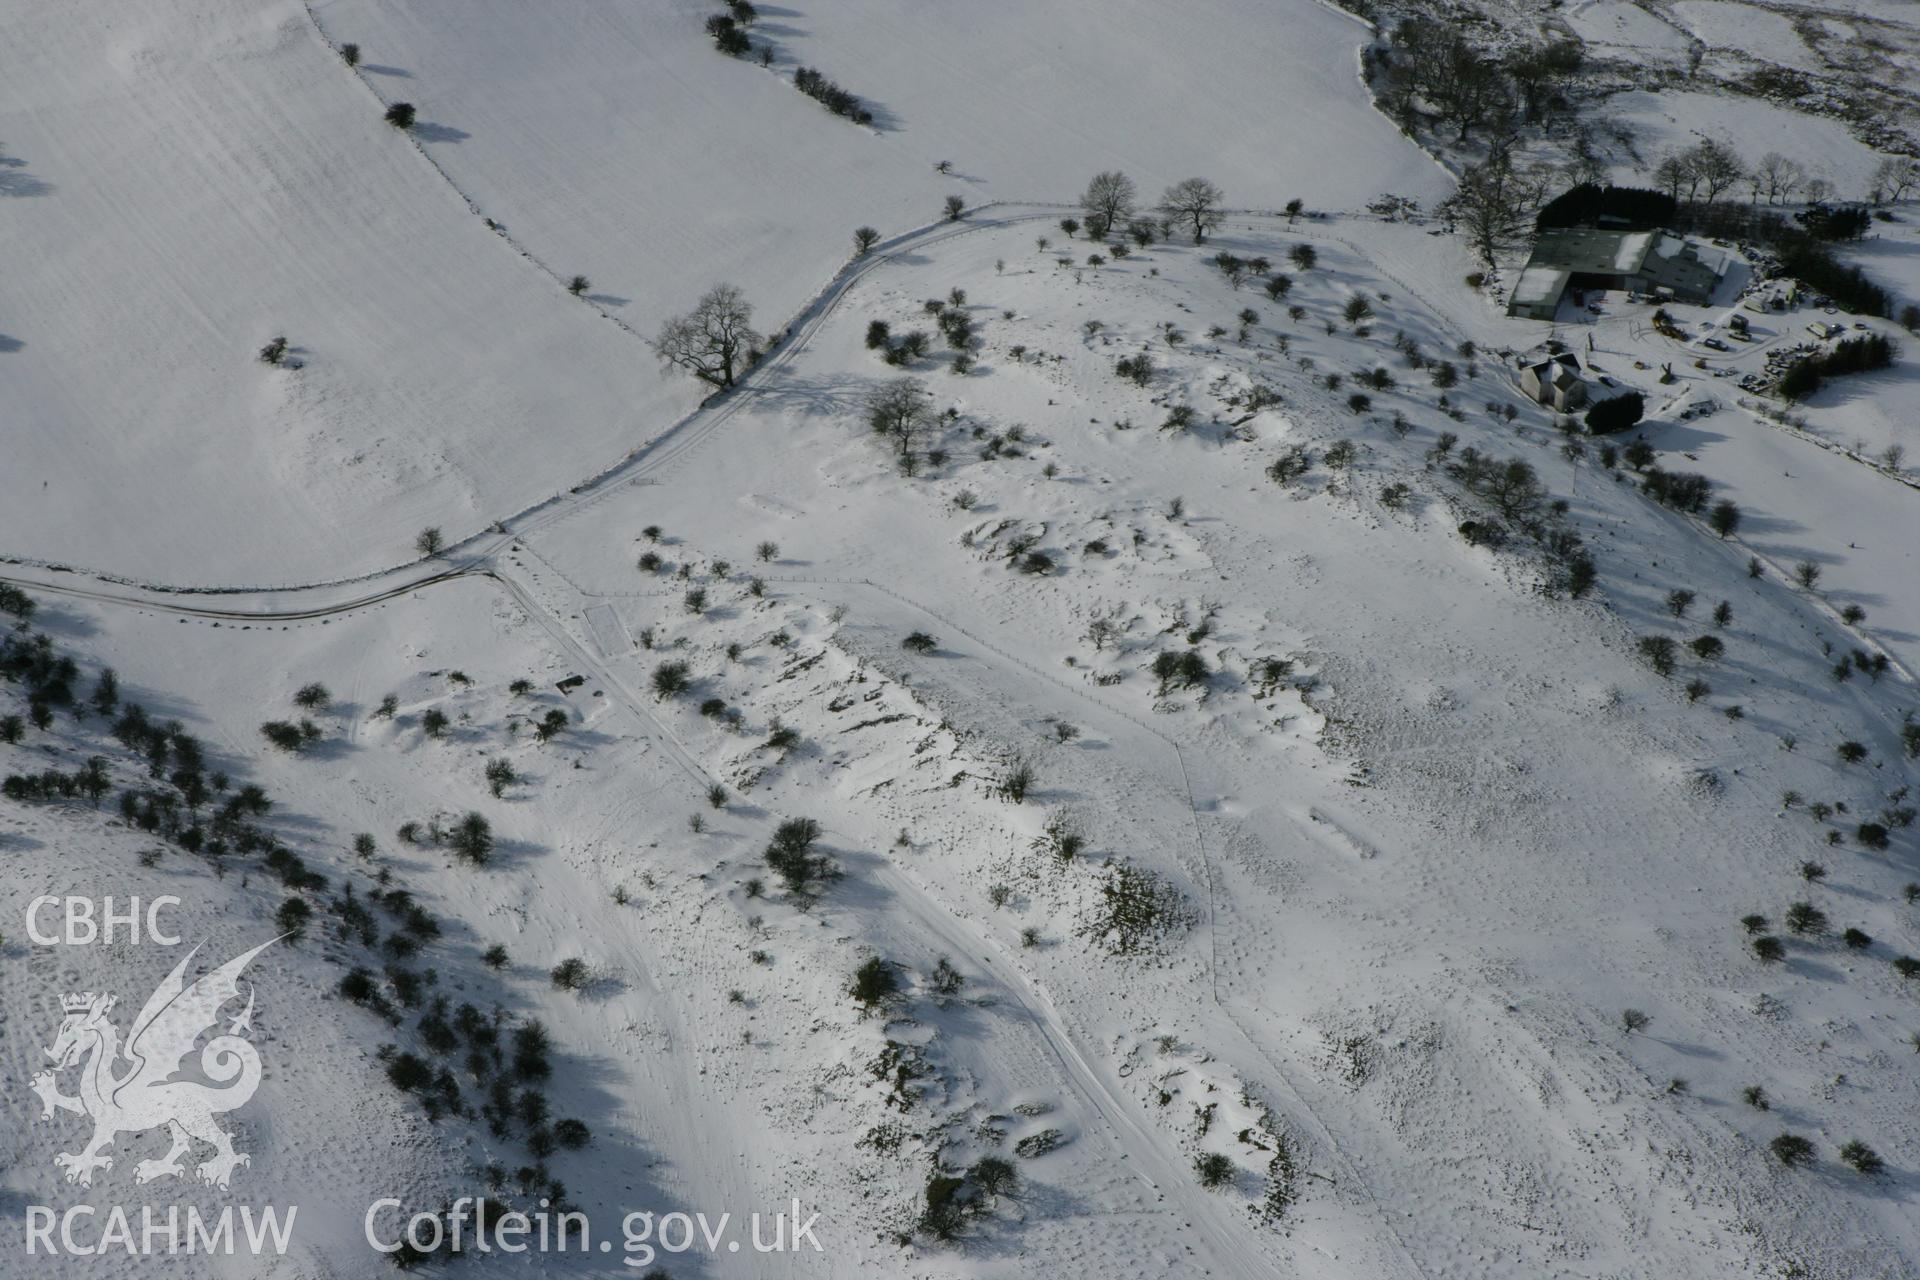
1555	382
1656	262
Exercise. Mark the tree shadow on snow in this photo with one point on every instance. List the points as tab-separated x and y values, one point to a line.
16	181
428	131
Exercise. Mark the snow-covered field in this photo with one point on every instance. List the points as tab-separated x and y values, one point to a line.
1663	122
1758	33
1403	826
185	219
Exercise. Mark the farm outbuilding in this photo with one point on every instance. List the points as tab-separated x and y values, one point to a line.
1654	262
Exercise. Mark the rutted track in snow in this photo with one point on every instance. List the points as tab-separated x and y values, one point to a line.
1210	1215
476	551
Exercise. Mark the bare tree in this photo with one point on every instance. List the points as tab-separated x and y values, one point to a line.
898	411
1718	165
714	342
1535	69
1777	177
1493	207
1109	198
1893	177
1464	86
1195	202
1676	173
864	238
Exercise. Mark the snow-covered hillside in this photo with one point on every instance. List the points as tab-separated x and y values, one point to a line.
1187	771
210	175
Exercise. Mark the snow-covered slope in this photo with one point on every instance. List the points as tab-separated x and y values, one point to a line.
211	175
1264	862
214	177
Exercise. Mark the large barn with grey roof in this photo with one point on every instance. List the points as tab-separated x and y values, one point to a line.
1660	263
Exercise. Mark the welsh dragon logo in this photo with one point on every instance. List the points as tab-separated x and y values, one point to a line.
152	1091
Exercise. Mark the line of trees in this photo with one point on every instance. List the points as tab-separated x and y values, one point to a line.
1863	354
831	96
1426	71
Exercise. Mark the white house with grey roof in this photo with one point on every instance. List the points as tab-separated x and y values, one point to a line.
1555	381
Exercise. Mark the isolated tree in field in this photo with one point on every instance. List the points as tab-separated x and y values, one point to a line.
1659	653
790	855
874	983
898	412
500	776
1725	517
1862	1157
670	680
767	552
1303	256
1791	1150
1806	920
400	115
1213	1170
578	285
1195	203
350	54
293	916
429	543
1110	197
864	238
714	342
954	207
1513	488
472	839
